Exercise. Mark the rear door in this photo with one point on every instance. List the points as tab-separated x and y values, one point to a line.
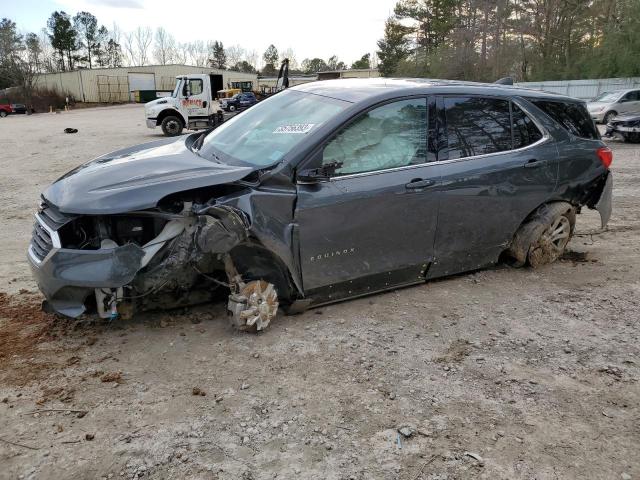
630	102
372	225
492	179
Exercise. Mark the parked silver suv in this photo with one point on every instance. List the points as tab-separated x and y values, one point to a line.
609	104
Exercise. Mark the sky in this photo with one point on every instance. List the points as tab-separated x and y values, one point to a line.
322	28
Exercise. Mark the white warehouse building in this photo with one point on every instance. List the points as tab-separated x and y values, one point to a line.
115	85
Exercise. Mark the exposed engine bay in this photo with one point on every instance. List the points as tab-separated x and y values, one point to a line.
178	254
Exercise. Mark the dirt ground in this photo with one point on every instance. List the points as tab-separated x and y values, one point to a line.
499	374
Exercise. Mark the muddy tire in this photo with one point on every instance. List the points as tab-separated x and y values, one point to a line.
608	117
543	238
172	126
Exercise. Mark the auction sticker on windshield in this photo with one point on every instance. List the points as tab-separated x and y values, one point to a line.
295	128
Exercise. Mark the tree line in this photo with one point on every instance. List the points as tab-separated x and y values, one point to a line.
527	39
80	41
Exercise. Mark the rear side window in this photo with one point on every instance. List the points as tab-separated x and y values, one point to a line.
573	117
477	126
525	131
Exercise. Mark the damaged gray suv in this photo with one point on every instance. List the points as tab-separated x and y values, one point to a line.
323	192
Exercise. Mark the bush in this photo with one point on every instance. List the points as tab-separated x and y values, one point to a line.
40	101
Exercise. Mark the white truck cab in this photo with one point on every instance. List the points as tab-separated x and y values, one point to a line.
191	105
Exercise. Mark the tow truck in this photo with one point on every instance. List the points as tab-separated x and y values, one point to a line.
192	104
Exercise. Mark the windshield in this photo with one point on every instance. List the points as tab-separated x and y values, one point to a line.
607	97
263	134
174	94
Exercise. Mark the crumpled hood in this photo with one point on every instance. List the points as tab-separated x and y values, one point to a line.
136	178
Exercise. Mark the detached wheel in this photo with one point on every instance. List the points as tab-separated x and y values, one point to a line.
172	126
608	117
553	240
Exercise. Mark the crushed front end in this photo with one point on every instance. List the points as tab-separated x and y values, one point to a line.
114	265
626	127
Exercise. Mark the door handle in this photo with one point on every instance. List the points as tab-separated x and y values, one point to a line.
534	163
418	183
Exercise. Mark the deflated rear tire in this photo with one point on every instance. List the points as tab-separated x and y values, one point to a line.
543	238
551	244
172	126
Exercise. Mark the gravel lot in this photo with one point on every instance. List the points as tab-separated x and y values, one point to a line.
502	373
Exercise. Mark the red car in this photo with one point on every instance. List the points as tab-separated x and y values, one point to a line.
5	109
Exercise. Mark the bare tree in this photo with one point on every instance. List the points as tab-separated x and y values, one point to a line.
130	51
182	53
164	47
198	53
288	53
235	53
143	37
252	58
48	53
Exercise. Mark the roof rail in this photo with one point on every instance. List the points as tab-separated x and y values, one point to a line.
505	81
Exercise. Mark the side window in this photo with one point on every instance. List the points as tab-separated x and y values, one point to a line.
195	86
393	135
477	126
573	117
525	131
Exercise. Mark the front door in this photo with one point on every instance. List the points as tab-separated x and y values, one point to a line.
195	98
372	225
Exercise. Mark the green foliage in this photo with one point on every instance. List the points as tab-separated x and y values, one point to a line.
527	39
219	56
364	62
244	67
10	48
314	65
63	38
86	27
270	55
393	48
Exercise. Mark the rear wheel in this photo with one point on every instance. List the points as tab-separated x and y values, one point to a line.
543	237
551	244
608	117
172	126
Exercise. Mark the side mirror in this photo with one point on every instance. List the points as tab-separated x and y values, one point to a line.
320	174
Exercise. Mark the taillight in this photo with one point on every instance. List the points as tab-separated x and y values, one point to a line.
605	155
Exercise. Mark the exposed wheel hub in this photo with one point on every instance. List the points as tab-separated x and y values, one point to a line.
254	305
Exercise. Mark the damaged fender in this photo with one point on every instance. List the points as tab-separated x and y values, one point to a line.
603	205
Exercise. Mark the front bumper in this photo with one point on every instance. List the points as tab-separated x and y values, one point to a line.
597	117
67	277
152	122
